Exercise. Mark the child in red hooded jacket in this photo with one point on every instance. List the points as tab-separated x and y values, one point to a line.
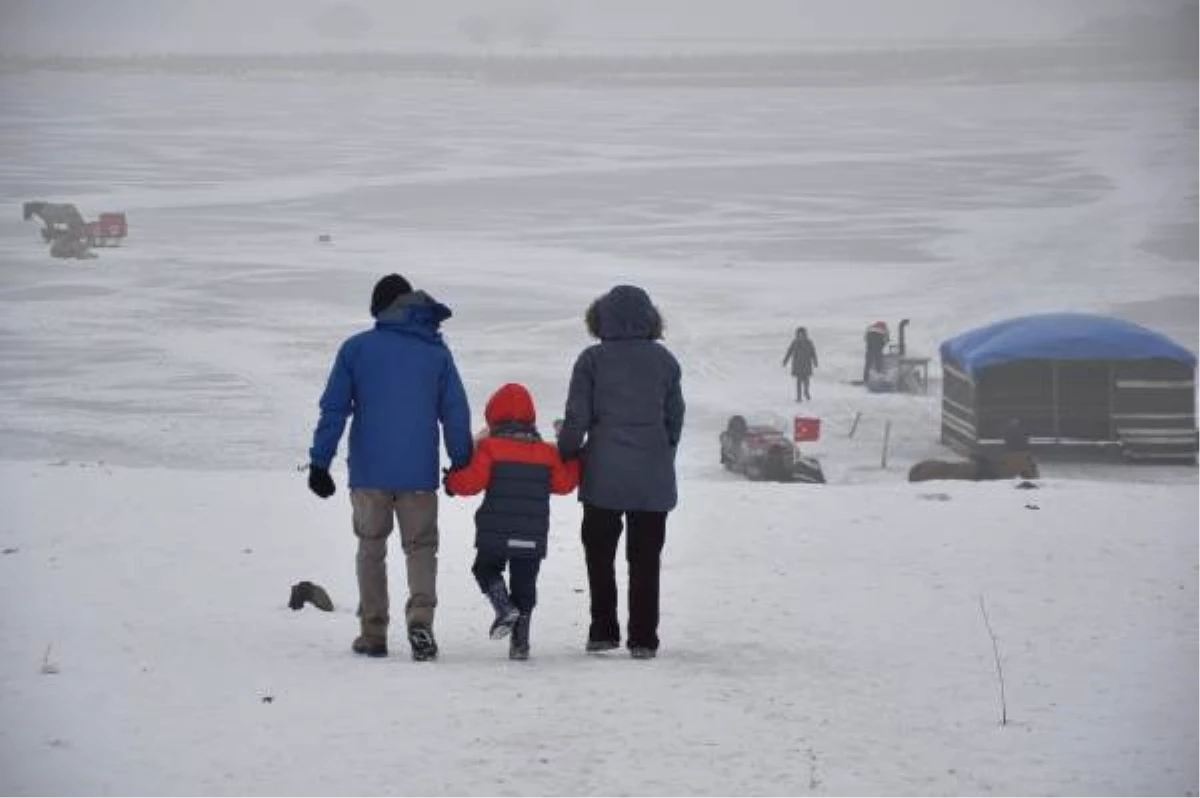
518	471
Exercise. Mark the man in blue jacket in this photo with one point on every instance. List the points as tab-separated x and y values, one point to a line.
399	382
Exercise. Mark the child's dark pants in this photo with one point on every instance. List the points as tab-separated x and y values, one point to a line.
522	577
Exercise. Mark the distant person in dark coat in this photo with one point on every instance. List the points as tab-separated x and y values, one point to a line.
623	419
803	355
876	339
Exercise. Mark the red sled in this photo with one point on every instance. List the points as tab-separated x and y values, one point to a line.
107	231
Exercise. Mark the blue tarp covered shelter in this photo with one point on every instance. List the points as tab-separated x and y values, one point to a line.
1073	380
1060	336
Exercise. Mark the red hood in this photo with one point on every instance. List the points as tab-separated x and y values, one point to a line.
511	402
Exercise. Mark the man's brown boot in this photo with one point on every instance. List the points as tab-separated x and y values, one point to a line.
370	646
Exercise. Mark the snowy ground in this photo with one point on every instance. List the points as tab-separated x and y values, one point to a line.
156	402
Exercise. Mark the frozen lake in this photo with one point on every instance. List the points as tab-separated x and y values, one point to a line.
745	211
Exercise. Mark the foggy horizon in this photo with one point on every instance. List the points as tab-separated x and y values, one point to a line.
36	27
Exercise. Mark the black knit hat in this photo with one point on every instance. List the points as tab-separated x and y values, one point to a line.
387	290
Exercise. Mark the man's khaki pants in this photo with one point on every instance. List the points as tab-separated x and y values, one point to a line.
416	515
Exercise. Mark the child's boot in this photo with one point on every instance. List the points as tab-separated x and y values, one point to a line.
506	613
518	647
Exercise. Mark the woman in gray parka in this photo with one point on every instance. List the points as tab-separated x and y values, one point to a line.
623	420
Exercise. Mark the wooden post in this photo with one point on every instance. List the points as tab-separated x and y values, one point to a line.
887	433
1112	402
1054	399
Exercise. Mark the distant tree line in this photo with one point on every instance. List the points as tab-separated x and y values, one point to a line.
1076	60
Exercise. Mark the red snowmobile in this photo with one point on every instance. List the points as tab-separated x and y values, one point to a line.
763	453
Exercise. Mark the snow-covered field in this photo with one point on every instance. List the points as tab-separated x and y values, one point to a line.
155	403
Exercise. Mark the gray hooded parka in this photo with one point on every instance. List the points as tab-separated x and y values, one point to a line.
625	407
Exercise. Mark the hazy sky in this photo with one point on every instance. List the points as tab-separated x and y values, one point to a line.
107	26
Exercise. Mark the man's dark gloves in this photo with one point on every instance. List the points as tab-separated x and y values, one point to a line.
445	476
319	481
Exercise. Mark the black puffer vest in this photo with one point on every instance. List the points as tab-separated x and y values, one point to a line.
514	518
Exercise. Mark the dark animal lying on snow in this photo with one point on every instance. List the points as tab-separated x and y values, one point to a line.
1002	466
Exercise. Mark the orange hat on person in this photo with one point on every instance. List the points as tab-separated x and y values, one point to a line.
510	402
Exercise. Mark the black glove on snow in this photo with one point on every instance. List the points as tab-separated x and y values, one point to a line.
313	594
319	481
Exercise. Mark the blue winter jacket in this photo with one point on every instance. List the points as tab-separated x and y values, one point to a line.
398	381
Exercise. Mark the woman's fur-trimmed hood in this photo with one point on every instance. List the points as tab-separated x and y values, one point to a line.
624	312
